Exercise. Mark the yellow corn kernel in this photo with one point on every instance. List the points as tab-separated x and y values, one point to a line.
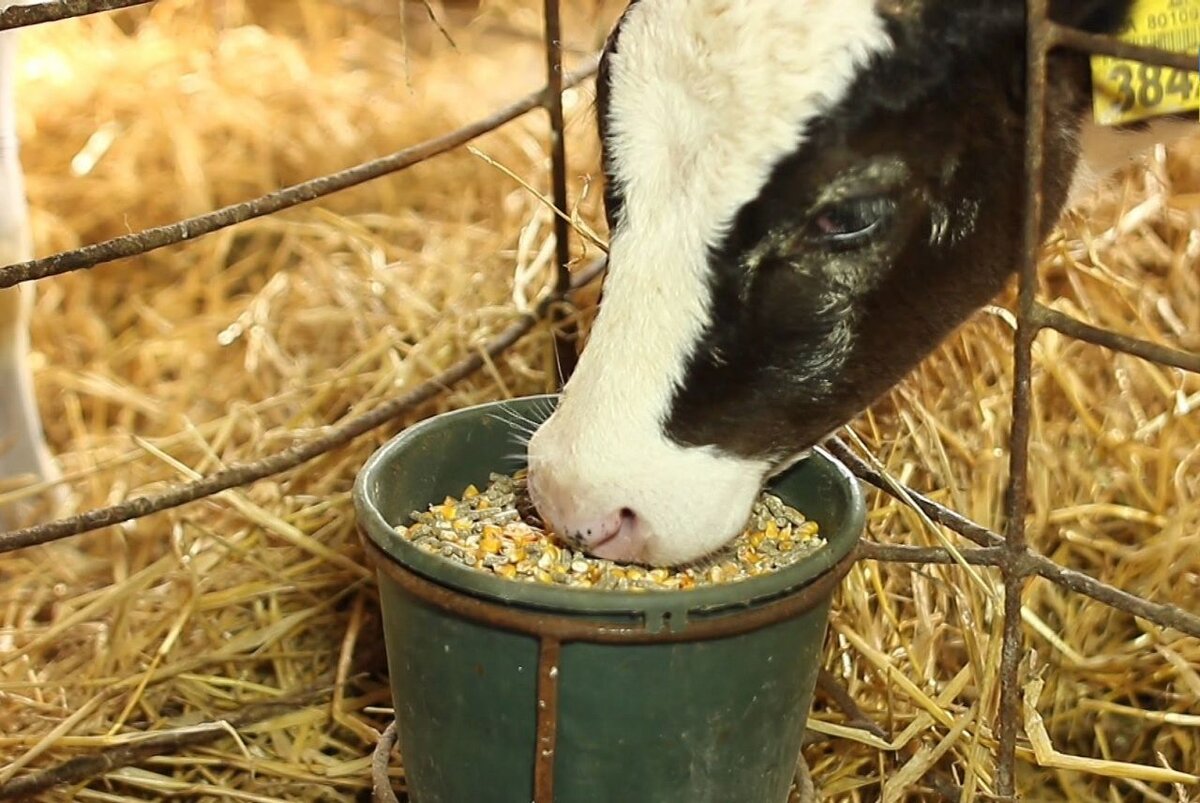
471	492
489	544
520	531
507	570
772	531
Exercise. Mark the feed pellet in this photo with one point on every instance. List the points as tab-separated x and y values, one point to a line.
496	530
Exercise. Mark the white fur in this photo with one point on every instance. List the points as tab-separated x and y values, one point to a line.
706	97
22	448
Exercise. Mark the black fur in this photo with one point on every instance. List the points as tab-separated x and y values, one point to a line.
806	352
612	194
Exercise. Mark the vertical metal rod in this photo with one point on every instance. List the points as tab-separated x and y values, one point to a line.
549	653
564	340
1037	47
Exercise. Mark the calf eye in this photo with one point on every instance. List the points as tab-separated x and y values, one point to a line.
852	222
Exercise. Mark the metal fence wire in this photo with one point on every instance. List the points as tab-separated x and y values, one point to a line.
1009	552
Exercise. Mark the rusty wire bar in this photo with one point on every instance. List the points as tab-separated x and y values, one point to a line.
381	784
55	10
337	436
1037	55
564	334
903	553
1166	616
1063	36
1047	318
549	658
147	240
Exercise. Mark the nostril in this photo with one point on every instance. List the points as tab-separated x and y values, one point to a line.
620	538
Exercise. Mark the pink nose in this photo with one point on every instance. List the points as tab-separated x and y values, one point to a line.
611	534
623	544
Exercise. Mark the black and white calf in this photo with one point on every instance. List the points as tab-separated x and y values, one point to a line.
805	198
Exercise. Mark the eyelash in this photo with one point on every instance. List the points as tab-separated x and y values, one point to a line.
851	223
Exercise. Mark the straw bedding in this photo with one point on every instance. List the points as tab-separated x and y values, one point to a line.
255	608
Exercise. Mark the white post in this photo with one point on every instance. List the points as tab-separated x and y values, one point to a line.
23	449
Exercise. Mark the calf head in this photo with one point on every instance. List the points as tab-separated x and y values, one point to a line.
805	198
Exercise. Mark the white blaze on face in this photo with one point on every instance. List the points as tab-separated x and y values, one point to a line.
705	98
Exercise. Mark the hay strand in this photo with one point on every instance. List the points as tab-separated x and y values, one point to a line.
134	749
217	353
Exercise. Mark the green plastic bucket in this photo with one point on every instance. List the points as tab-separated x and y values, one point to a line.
509	692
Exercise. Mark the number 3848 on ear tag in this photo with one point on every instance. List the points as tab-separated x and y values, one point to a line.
1128	91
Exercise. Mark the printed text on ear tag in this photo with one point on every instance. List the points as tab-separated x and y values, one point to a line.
1128	91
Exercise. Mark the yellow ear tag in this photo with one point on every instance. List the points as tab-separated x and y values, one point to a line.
1128	91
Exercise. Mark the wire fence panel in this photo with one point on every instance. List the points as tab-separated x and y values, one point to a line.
1009	552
